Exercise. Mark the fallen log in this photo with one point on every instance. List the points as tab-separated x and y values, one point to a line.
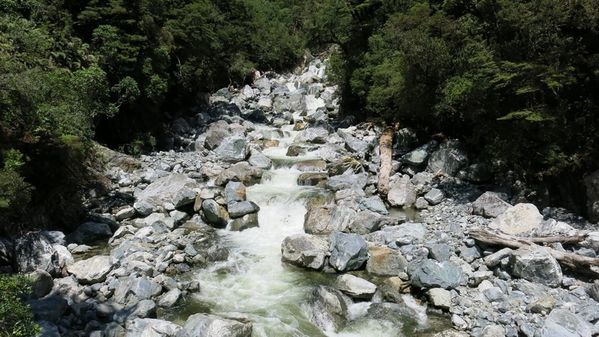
386	152
568	259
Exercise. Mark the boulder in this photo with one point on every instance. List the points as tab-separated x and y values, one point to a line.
125	213
232	149
316	135
90	232
41	283
375	204
354	144
489	205
242	172
329	308
536	265
176	189
147	327
355	287
170	298
234	191
348	251
215	134
92	270
204	325
433	274
518	219
448	159
304	250
327	219
134	289
385	261
215	214
440	298
241	208
245	222
404	234
312	179
402	192
564	323
434	196
347	181
34	251
259	160
417	157
366	222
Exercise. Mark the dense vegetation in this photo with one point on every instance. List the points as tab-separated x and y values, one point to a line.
513	79
16	319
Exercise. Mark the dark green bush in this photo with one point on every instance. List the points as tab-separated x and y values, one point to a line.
16	318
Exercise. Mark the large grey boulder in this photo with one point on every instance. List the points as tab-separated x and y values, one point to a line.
259	160
204	325
433	274
489	205
147	327
304	250
417	157
134	289
564	323
316	135
354	144
434	196
518	219
215	214
245	222
242	171
355	287
215	134
375	204
90	232
385	261
329	308
448	159
176	189
347	181
536	265
92	270
327	219
235	191
402	192
241	208
348	251
41	283
35	251
232	149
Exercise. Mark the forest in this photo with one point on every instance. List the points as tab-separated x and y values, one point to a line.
515	80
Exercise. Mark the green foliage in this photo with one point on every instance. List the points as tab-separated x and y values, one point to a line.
16	318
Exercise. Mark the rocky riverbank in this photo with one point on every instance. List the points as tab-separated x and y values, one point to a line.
407	260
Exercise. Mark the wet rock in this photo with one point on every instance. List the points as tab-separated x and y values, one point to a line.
385	261
295	150
375	204
434	196
448	159
232	149
489	205
518	219
241	208
34	251
433	274
402	192
92	270
176	189
203	325
147	327
214	213
245	222
329	308
327	219
536	265
170	298
41	283
355	287
311	165
348	251
563	323
304	250
439	298
312	179
259	160
90	232
235	191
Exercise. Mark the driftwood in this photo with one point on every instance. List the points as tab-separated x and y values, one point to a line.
568	259
386	151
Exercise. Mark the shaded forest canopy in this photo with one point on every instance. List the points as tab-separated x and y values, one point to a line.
515	80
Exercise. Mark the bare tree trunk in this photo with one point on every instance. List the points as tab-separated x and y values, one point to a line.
386	151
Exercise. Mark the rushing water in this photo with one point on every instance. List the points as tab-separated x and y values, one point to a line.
254	283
